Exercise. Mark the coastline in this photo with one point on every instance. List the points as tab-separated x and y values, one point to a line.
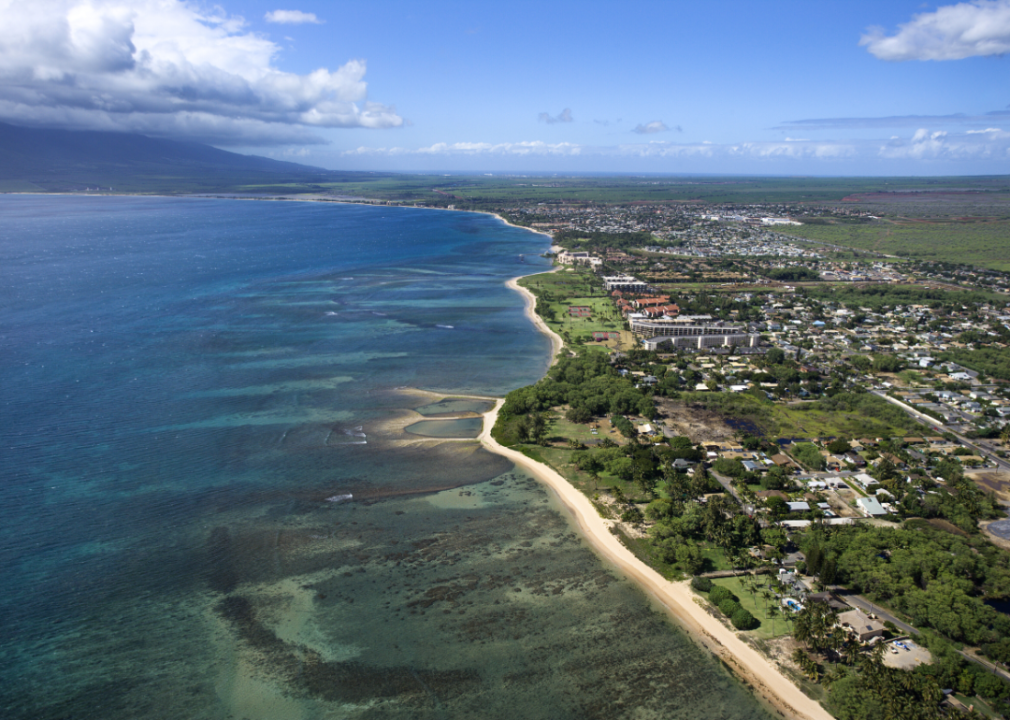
746	663
531	312
680	602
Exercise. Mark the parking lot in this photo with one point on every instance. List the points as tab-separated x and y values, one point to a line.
905	659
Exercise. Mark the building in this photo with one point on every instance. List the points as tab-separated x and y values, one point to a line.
861	625
870	507
578	258
624	282
690	331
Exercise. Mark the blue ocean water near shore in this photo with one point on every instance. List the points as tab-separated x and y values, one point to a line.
209	507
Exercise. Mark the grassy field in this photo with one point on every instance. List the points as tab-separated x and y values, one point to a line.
982	242
557	292
770	627
794	421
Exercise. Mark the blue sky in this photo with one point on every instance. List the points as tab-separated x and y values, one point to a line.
825	88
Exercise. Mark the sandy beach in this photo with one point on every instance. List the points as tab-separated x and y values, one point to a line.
677	597
746	662
531	313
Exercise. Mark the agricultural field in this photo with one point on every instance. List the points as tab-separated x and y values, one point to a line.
469	191
978	241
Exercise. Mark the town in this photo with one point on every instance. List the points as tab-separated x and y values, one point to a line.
818	437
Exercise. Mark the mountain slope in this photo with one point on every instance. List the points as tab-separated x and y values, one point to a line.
69	160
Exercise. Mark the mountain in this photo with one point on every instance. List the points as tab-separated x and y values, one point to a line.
73	160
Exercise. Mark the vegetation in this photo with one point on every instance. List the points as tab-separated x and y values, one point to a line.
980	242
937	579
988	360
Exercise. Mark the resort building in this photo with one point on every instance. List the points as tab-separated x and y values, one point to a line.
689	332
624	282
578	258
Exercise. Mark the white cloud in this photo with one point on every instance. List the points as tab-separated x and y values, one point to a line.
987	130
942	146
923	146
951	32
565	116
168	68
656	126
534	147
292	17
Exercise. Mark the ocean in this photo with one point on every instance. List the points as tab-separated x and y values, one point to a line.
229	489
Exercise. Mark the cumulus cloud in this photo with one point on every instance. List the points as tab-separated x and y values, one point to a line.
170	69
292	17
565	116
951	32
938	145
656	126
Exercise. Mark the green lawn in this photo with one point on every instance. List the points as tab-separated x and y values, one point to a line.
755	605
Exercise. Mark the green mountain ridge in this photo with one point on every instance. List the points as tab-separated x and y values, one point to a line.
49	160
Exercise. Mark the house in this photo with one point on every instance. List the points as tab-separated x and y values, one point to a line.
870	507
798	506
783	461
829	600
861	625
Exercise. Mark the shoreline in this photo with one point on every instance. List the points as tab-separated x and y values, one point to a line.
557	344
749	666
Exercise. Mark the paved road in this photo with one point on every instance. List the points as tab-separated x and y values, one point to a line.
933	422
727	483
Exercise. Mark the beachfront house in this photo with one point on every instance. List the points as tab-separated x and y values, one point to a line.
861	625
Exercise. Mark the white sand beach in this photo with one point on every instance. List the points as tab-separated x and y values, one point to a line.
677	597
531	305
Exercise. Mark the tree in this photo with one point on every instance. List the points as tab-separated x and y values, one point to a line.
592	465
523	429
538	428
813	625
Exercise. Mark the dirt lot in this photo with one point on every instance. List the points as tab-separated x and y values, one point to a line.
698	425
998	483
839	501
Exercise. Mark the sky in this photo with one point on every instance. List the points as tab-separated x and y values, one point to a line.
772	87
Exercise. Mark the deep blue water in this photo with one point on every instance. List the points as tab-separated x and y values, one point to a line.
208	507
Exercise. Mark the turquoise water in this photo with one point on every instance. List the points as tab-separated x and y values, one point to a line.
461	428
450	406
207	509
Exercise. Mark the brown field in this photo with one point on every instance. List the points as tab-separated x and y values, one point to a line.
697	424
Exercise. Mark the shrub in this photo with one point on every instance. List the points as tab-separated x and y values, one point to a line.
729	608
743	620
701	584
719	593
